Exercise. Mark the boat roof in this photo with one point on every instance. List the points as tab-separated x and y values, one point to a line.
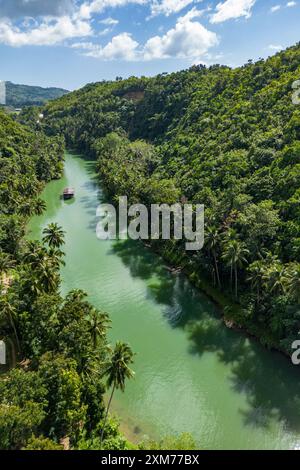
69	191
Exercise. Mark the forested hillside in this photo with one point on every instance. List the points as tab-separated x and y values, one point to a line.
58	359
227	138
18	96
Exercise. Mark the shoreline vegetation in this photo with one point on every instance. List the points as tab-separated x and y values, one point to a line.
59	363
226	138
230	313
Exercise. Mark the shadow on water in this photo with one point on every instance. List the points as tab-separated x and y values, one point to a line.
270	383
181	302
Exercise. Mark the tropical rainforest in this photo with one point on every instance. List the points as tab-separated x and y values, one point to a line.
59	360
59	363
226	138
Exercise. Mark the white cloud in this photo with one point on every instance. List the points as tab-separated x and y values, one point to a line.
51	25
109	21
121	47
33	8
87	9
278	7
167	7
187	40
231	9
274	47
275	8
105	31
48	32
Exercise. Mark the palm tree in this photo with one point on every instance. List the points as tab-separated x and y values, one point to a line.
98	325
54	235
117	371
212	242
293	281
6	263
275	277
235	256
8	312
26	209
257	272
39	207
77	295
44	266
35	255
48	276
56	256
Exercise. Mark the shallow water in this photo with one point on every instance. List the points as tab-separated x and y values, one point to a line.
192	373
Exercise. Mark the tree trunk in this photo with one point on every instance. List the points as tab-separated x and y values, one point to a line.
106	415
15	333
236	282
216	269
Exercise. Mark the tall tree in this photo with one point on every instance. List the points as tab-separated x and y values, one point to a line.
6	263
98	325
213	239
54	236
256	276
293	281
234	255
8	313
117	371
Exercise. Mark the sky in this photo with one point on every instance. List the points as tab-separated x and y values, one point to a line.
68	43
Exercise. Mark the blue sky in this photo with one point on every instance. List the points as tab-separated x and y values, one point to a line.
68	43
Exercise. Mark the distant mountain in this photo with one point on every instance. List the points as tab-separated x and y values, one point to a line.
18	96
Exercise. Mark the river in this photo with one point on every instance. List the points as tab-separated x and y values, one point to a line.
192	373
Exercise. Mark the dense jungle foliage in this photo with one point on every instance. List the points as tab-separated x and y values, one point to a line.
59	363
18	96
226	138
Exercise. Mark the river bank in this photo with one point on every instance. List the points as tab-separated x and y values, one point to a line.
230	312
192	373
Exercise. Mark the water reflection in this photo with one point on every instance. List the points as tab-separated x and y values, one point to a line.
269	382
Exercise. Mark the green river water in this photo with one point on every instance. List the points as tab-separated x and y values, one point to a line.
192	373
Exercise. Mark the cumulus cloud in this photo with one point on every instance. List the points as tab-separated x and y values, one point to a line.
32	8
187	40
52	22
49	32
121	47
232	9
167	7
87	9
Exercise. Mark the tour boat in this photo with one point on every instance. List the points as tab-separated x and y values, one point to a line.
68	193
